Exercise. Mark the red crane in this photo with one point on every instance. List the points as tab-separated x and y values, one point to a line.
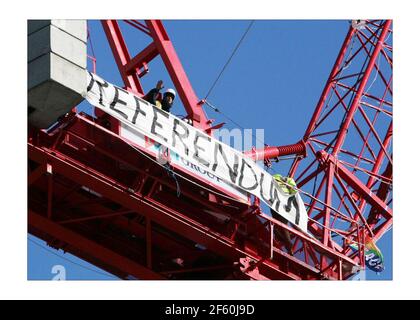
92	194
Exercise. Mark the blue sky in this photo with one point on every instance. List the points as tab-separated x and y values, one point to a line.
273	82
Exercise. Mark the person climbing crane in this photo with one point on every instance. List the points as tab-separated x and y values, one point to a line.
154	96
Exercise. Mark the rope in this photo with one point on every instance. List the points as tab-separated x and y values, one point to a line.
218	78
241	127
68	260
185	178
230	58
171	173
154	160
168	169
231	120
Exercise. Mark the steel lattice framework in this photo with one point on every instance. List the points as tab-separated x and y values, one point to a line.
349	141
94	195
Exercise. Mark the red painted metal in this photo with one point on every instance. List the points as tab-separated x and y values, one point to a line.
94	195
161	46
349	139
105	198
40	224
356	101
122	56
177	73
298	149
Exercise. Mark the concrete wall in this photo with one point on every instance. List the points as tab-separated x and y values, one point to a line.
56	68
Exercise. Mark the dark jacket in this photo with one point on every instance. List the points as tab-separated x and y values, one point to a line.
152	96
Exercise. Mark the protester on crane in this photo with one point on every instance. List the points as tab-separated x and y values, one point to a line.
168	100
358	24
287	186
154	96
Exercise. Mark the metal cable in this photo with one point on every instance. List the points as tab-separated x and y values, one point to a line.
230	58
233	121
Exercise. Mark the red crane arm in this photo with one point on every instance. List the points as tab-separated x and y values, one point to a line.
130	68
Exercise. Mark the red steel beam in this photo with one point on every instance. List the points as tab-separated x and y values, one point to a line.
381	230
330	82
121	55
163	215
145	56
91	248
298	148
384	102
358	185
149	242
160	240
72	175
49	194
177	73
37	173
328	201
378	164
381	193
162	46
62	168
355	104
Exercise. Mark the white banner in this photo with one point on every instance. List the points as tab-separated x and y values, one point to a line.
195	146
140	140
